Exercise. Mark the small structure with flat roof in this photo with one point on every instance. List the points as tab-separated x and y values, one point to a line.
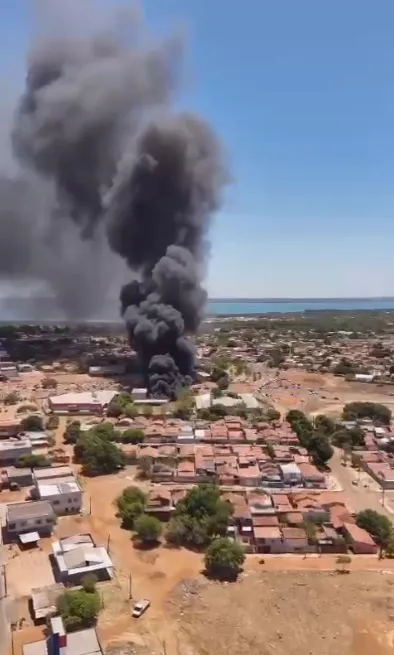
12	449
44	600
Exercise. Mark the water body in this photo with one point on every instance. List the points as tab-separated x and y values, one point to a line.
238	307
44	309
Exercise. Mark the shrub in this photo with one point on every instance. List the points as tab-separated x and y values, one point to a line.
148	529
224	559
79	609
32	423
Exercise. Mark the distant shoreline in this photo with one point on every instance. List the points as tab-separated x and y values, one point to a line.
303	300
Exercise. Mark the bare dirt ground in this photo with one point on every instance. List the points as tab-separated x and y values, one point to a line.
289	614
27	570
316	393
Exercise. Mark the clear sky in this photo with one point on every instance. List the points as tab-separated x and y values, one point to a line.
302	94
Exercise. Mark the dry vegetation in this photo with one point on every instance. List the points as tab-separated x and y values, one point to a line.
289	613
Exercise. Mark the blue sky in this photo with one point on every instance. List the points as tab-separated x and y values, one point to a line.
302	94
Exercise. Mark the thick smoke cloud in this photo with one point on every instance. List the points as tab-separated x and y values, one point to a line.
159	214
106	166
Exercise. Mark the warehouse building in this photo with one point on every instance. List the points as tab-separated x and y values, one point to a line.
87	402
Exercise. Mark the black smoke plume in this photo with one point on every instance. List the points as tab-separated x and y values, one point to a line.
108	163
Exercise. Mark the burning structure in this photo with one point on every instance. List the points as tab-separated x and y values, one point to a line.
106	162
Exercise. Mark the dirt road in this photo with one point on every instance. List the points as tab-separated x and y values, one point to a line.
360	496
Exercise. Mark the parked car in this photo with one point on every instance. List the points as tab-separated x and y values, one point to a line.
140	607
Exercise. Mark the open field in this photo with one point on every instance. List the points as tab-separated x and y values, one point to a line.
287	613
317	393
26	570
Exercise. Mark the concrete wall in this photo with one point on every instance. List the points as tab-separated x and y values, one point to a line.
66	503
31	524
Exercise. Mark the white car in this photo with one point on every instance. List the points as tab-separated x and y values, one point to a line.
140	607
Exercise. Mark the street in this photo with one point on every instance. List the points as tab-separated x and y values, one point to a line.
360	496
4	618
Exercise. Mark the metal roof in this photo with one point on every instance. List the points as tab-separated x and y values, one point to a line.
29	537
29	509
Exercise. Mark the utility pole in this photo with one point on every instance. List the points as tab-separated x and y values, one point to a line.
130	590
108	542
90	504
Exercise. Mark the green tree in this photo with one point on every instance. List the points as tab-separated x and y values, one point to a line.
354	437
145	464
32	423
224	559
272	415
72	432
114	409
32	461
301	425
97	454
52	422
131	504
79	609
148	529
131	410
200	517
223	383
373	411
133	435
320	449
325	424
89	582
379	526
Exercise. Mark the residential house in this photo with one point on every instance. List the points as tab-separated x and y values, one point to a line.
311	507
78	555
62	491
270	474
359	540
268	539
35	516
295	540
291	474
9	427
312	476
159	503
260	503
12	449
22	477
382	473
248	472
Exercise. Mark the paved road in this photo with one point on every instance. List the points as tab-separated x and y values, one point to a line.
360	496
4	609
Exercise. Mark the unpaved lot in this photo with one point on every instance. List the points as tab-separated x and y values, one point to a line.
289	613
27	569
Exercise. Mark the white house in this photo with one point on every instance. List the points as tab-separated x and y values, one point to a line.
59	486
78	555
291	474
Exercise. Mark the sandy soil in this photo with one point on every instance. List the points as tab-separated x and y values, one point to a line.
289	614
316	393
